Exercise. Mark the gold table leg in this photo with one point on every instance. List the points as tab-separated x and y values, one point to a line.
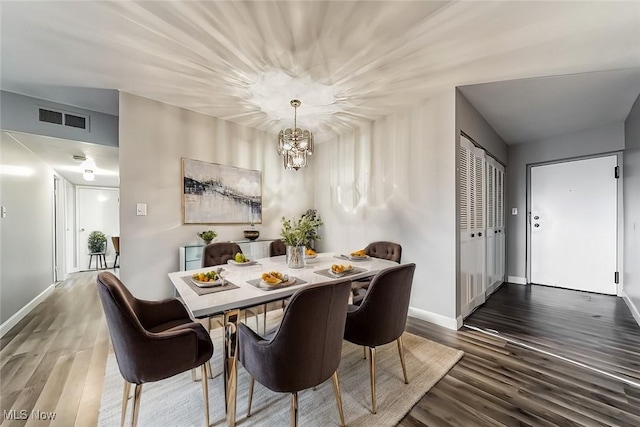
231	319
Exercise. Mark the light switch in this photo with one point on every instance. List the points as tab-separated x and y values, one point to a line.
141	209
514	211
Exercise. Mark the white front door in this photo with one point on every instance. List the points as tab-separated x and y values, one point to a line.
574	224
98	210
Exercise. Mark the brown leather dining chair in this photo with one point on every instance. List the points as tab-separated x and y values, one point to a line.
277	248
381	317
219	253
384	250
152	340
305	349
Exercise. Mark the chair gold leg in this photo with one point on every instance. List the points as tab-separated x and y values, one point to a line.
372	374
401	353
336	390
251	382
137	391
294	410
364	352
193	375
209	369
205	393
125	399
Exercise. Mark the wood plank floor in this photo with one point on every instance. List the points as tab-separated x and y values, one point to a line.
54	361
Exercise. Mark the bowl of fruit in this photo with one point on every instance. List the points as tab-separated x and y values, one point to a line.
275	278
310	253
240	259
206	279
359	254
340	270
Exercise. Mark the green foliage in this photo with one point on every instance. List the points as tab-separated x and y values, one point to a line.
303	231
97	241
207	235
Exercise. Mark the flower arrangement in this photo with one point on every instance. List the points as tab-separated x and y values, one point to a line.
97	242
303	231
207	235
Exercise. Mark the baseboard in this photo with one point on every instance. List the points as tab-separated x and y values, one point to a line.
634	310
435	318
20	314
517	280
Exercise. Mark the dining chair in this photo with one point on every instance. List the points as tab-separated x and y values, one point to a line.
305	350
152	340
277	248
218	254
381	317
116	247
384	250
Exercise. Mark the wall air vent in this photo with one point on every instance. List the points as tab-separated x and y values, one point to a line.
75	121
63	118
50	116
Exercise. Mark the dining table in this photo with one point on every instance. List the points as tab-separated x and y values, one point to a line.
241	288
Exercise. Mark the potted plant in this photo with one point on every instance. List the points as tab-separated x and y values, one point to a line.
97	242
207	236
296	234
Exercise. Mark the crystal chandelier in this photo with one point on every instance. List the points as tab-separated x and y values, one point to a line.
294	145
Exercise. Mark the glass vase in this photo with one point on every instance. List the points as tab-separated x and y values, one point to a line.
295	256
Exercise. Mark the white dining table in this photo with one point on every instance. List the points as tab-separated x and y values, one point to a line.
228	303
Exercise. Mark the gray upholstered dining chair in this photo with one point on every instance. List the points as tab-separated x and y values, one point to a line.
382	316
277	248
305	349
384	250
152	340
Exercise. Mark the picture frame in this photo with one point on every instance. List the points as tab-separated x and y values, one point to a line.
213	193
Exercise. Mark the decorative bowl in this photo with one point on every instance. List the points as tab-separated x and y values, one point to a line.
251	234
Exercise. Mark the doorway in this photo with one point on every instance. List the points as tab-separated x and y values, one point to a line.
98	210
59	231
573	224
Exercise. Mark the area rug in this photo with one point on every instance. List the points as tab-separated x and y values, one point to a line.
177	401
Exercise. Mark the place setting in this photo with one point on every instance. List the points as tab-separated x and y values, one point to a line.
359	255
273	280
208	282
339	270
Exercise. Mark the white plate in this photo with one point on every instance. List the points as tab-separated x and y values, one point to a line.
242	264
213	284
334	274
311	256
358	258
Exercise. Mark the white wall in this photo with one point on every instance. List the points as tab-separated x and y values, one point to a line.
595	141
153	139
395	180
26	233
631	174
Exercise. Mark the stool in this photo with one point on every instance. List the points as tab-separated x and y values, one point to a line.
100	258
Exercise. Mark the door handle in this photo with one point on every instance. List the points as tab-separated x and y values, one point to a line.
479	234
536	225
81	230
496	231
473	235
536	217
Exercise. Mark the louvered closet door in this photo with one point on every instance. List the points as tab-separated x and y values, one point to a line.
472	226
492	229
501	238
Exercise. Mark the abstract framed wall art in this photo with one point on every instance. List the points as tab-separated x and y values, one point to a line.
220	194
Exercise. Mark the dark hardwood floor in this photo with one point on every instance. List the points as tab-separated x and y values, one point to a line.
54	360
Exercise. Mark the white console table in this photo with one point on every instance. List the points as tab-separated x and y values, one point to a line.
191	255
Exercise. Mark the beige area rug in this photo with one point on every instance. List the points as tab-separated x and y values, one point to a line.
177	401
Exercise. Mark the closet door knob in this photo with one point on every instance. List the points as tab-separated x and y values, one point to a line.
473	235
479	234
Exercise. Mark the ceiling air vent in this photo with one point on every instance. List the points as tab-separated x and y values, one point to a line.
50	116
63	118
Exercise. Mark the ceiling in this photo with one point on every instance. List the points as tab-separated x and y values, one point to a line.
349	62
58	153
